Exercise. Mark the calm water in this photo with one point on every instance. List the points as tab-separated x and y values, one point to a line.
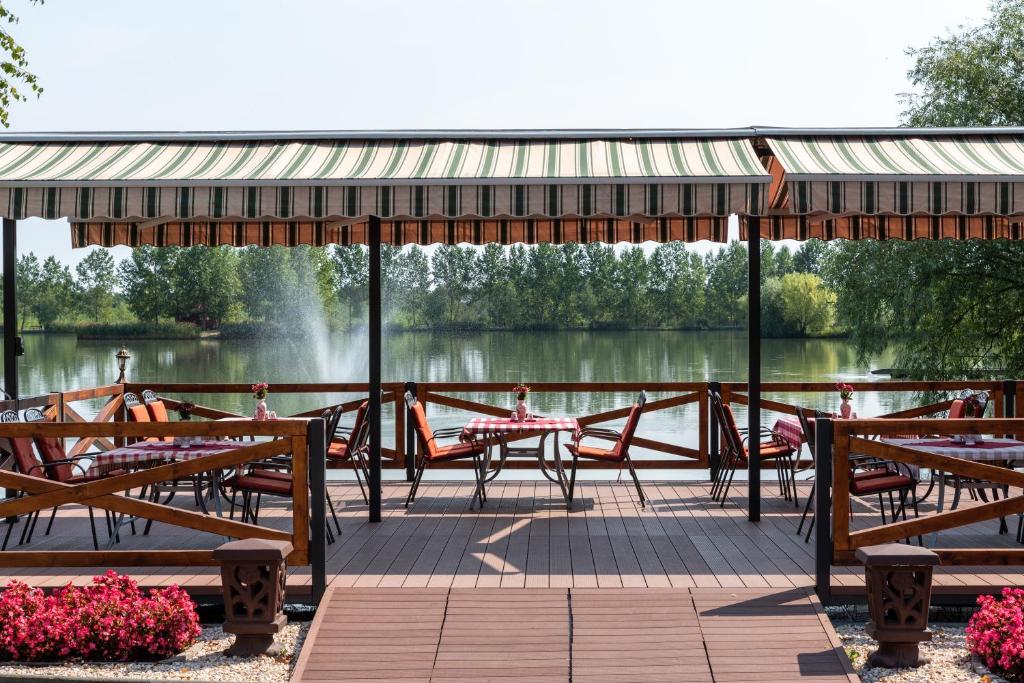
53	362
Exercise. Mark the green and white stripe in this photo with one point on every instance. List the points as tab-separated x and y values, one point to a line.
390	162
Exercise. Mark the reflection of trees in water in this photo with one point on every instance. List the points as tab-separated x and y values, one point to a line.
54	362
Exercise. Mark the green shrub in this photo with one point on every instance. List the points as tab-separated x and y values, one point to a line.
130	330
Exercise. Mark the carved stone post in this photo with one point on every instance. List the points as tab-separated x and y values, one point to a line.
253	577
899	582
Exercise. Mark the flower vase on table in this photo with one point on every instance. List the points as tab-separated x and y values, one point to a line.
185	409
259	392
845	394
521	391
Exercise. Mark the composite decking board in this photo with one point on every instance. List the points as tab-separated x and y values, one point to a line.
525	537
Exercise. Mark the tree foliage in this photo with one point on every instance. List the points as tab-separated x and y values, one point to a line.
949	309
15	77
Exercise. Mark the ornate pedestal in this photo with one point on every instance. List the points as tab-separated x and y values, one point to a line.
899	583
253	577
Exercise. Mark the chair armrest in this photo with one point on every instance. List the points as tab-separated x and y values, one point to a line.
74	462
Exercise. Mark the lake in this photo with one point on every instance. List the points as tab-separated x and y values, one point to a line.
53	362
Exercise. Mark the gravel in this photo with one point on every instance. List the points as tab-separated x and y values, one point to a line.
204	661
948	659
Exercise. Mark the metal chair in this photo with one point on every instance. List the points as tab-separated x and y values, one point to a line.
618	453
777	449
350	444
431	453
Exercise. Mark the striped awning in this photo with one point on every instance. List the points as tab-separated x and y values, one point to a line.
885	227
334	183
902	175
425	232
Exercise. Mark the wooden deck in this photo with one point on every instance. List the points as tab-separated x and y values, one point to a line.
525	538
584	635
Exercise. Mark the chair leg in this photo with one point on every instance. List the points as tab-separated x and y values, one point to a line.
330	506
636	481
7	535
807	509
357	467
92	527
728	484
416	482
49	525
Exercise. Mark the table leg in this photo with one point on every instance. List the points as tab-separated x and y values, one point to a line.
938	506
488	455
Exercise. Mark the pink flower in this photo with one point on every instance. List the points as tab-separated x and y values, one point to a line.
995	632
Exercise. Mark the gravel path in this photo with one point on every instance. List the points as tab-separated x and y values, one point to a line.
948	659
203	661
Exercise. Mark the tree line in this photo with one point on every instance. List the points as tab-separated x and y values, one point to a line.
569	286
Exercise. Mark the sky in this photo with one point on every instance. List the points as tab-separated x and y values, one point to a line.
320	64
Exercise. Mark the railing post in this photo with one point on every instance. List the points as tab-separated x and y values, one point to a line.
823	508
410	435
1009	398
316	439
715	431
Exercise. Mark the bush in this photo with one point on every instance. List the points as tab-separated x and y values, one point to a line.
995	633
109	620
130	330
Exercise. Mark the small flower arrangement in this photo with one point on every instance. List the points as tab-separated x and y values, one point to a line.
972	406
109	620
185	409
995	633
845	390
521	390
260	390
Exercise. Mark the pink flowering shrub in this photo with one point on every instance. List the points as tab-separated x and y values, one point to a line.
996	633
109	620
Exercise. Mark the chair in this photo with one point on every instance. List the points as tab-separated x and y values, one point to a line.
430	453
141	412
868	476
776	449
157	409
618	453
349	444
25	462
59	467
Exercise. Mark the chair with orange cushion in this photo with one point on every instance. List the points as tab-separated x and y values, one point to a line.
157	410
430	452
617	454
349	444
734	455
138	412
59	467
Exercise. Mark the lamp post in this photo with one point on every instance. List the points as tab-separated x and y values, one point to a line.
122	363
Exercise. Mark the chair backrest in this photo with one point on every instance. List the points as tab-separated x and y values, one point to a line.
156	408
51	449
419	422
956	410
621	447
807	426
360	428
137	410
727	423
21	449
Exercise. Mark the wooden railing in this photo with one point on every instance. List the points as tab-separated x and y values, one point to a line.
664	395
837	440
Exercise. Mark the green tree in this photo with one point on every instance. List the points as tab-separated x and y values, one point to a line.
352	273
97	278
204	284
810	256
26	279
678	278
807	304
14	73
453	271
947	308
53	293
145	280
727	286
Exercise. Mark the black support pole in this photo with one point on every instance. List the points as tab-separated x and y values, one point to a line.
754	369
10	264
375	350
410	436
316	438
823	508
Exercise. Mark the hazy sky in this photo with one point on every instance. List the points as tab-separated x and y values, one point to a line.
303	64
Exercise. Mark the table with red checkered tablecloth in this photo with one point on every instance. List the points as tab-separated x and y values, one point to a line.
148	452
496	430
790	430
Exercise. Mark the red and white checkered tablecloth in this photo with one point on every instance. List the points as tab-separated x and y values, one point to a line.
505	425
150	451
994	450
790	430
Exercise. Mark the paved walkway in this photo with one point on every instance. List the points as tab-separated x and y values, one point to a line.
583	635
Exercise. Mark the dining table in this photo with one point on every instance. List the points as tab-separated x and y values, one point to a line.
497	432
152	453
990	450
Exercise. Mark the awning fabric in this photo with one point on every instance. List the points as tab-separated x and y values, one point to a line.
320	233
190	186
885	227
954	175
